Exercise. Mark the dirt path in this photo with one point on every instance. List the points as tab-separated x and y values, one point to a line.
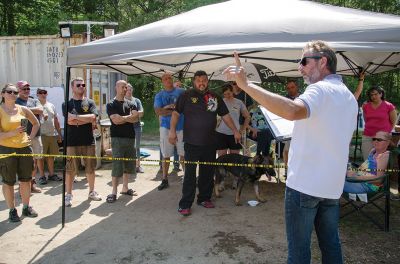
148	229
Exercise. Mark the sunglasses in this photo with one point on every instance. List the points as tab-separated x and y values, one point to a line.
11	92
80	85
26	89
303	60
378	139
42	92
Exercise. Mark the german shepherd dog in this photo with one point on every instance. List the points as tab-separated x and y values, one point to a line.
241	173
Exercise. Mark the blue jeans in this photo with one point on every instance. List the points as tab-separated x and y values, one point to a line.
302	213
356	187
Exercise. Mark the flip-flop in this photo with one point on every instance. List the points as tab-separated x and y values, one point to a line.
111	198
129	192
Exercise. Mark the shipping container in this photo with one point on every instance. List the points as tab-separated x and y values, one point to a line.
41	60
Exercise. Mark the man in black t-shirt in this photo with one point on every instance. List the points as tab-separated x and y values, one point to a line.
200	107
81	117
123	114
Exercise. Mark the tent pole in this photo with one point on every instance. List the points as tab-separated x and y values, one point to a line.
66	97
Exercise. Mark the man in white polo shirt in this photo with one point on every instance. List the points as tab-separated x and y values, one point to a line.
325	115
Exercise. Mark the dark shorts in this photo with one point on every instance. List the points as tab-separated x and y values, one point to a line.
123	148
10	167
73	163
226	142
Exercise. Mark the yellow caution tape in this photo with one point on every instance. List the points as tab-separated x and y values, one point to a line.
2	156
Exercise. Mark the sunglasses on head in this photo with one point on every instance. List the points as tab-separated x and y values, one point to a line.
303	60
42	92
11	92
80	85
378	139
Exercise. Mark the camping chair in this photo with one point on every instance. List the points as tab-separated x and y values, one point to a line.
374	198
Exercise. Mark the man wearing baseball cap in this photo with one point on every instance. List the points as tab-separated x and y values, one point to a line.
50	132
37	147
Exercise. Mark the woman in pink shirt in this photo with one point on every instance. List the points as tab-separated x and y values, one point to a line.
379	115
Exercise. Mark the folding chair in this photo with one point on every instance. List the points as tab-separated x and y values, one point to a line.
374	199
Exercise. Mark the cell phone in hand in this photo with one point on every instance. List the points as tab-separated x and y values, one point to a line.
24	123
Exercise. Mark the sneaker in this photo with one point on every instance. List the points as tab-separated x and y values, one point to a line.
93	195
164	184
13	216
34	188
207	204
184	211
140	169
42	180
68	200
29	212
54	177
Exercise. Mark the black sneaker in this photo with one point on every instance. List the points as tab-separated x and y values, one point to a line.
54	177
13	216
29	212
164	184
42	180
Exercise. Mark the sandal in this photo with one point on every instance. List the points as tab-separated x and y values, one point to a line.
129	192
111	198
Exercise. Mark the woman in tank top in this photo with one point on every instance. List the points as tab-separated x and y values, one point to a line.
373	166
14	139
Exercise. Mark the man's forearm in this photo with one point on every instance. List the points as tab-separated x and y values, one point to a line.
229	122
88	118
174	120
276	104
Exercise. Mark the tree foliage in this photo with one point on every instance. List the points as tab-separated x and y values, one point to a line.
40	17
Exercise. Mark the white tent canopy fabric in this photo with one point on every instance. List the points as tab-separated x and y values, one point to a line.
271	33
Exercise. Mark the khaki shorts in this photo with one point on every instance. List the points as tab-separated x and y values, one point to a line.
50	145
73	163
37	146
10	167
167	149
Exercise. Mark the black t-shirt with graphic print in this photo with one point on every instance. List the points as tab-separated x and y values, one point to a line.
80	135
200	110
122	108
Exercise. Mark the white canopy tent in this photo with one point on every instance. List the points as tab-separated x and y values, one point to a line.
271	33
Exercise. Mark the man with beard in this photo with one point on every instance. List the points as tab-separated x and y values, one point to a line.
200	106
325	115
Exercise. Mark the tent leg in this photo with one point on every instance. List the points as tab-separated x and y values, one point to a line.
66	97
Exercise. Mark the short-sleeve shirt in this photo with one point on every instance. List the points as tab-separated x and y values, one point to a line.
319	149
139	107
246	99
80	135
235	108
200	110
122	108
164	98
257	119
30	103
377	119
47	126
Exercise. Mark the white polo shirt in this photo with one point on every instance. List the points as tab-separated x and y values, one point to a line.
320	143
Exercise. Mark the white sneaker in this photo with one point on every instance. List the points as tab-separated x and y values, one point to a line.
68	200
93	195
